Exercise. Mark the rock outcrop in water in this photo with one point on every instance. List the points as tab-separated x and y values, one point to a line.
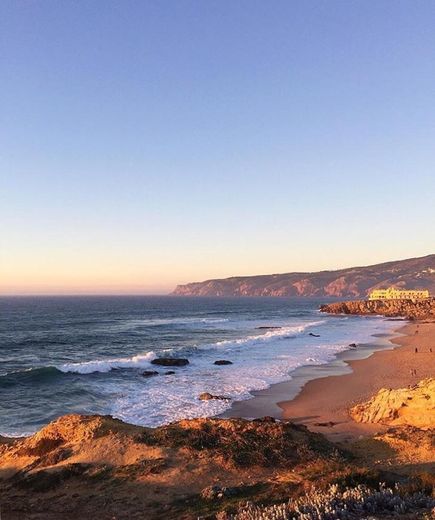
418	309
354	282
170	362
414	406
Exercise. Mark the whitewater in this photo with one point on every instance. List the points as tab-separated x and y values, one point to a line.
88	355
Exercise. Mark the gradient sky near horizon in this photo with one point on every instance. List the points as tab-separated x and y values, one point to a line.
149	143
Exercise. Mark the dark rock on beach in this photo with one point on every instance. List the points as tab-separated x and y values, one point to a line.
169	373
150	373
170	362
206	396
223	362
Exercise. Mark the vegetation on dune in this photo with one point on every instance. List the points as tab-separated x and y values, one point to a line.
220	469
334	504
241	442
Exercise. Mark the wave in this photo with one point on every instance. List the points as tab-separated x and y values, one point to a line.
106	365
153	322
143	360
183	321
271	335
137	324
31	375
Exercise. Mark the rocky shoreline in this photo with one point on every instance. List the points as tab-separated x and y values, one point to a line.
235	469
409	309
324	460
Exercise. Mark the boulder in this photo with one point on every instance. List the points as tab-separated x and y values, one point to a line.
149	373
169	373
412	406
206	396
223	362
213	492
170	362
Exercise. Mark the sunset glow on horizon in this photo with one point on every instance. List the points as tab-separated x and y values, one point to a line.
205	140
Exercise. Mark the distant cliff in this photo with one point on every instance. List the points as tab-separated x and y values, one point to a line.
418	309
354	282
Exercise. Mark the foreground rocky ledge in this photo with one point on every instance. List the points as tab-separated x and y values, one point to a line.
413	406
417	310
99	467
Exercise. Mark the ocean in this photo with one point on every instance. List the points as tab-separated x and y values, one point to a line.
86	355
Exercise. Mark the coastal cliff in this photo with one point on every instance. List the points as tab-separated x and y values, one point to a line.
412	406
99	467
354	282
411	309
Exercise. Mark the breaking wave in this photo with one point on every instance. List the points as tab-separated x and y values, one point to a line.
106	365
143	360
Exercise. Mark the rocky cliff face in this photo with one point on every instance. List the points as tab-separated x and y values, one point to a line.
418	309
414	406
354	282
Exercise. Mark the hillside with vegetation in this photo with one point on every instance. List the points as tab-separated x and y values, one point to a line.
353	282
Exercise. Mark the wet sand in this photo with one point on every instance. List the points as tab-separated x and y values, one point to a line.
320	396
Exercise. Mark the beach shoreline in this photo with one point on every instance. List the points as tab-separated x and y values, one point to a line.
320	396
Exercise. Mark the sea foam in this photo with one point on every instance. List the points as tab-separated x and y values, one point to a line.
143	360
106	365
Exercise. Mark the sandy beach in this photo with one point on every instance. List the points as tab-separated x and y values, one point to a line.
320	397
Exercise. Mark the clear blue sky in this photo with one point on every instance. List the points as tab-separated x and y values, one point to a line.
149	143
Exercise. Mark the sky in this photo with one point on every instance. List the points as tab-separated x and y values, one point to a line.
149	143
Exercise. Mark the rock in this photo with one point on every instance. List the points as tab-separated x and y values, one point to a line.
169	373
353	345
314	335
410	309
170	362
265	419
206	396
412	406
223	362
150	373
213	492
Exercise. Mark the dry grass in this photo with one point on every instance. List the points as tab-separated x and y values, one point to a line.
241	443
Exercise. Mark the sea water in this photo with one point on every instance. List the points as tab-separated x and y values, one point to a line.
62	355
